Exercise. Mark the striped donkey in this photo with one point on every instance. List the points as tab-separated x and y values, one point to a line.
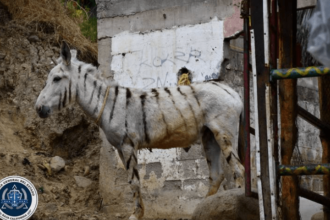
162	118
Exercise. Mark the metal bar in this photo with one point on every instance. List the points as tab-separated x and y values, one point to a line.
247	161
313	120
256	120
311	169
271	162
310	195
295	73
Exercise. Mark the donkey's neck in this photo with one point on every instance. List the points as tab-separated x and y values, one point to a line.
90	93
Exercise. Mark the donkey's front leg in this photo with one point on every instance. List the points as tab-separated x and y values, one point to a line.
129	156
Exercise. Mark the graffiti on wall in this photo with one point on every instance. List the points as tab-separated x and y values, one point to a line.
152	59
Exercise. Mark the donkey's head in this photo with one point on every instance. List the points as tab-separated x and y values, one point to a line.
58	89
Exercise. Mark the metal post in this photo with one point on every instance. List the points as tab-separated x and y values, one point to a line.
247	161
324	96
288	105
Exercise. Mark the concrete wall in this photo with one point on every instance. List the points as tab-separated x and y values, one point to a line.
143	44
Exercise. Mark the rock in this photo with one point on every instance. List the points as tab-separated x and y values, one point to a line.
33	38
318	216
50	208
227	205
57	163
82	181
2	55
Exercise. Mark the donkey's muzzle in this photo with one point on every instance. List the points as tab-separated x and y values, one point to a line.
43	111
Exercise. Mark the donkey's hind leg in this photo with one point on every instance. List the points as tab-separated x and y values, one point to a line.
129	155
212	152
225	139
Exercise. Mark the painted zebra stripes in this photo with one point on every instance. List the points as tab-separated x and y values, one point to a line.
163	118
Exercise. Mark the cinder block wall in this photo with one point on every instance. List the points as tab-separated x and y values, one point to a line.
142	44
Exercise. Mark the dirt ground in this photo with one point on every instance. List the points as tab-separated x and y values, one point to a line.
27	143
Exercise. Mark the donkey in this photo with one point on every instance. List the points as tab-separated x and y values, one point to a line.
163	118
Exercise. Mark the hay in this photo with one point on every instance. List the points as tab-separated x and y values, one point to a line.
52	14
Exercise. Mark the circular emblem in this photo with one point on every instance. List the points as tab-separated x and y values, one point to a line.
19	198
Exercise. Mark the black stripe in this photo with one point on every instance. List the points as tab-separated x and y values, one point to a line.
85	81
95	85
216	84
128	96
114	103
79	69
136	173
146	135
156	93
128	162
134	157
236	157
64	99
77	92
191	109
167	90
228	158
59	102
98	99
70	91
170	94
229	93
193	92
99	93
61	69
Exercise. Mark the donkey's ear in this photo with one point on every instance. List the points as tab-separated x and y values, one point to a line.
65	54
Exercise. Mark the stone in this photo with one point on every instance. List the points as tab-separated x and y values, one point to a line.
33	38
50	208
318	216
57	163
227	205
82	181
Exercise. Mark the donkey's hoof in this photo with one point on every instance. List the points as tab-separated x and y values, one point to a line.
133	217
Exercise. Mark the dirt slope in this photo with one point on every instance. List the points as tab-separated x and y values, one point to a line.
27	143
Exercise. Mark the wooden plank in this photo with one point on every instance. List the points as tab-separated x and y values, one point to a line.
302	4
271	161
313	120
324	96
256	121
246	133
288	105
274	91
307	194
262	79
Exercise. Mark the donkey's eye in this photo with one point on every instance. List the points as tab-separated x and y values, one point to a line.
56	79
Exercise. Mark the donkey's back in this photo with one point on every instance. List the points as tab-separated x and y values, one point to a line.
176	116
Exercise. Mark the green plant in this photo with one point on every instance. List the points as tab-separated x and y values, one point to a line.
87	24
89	28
